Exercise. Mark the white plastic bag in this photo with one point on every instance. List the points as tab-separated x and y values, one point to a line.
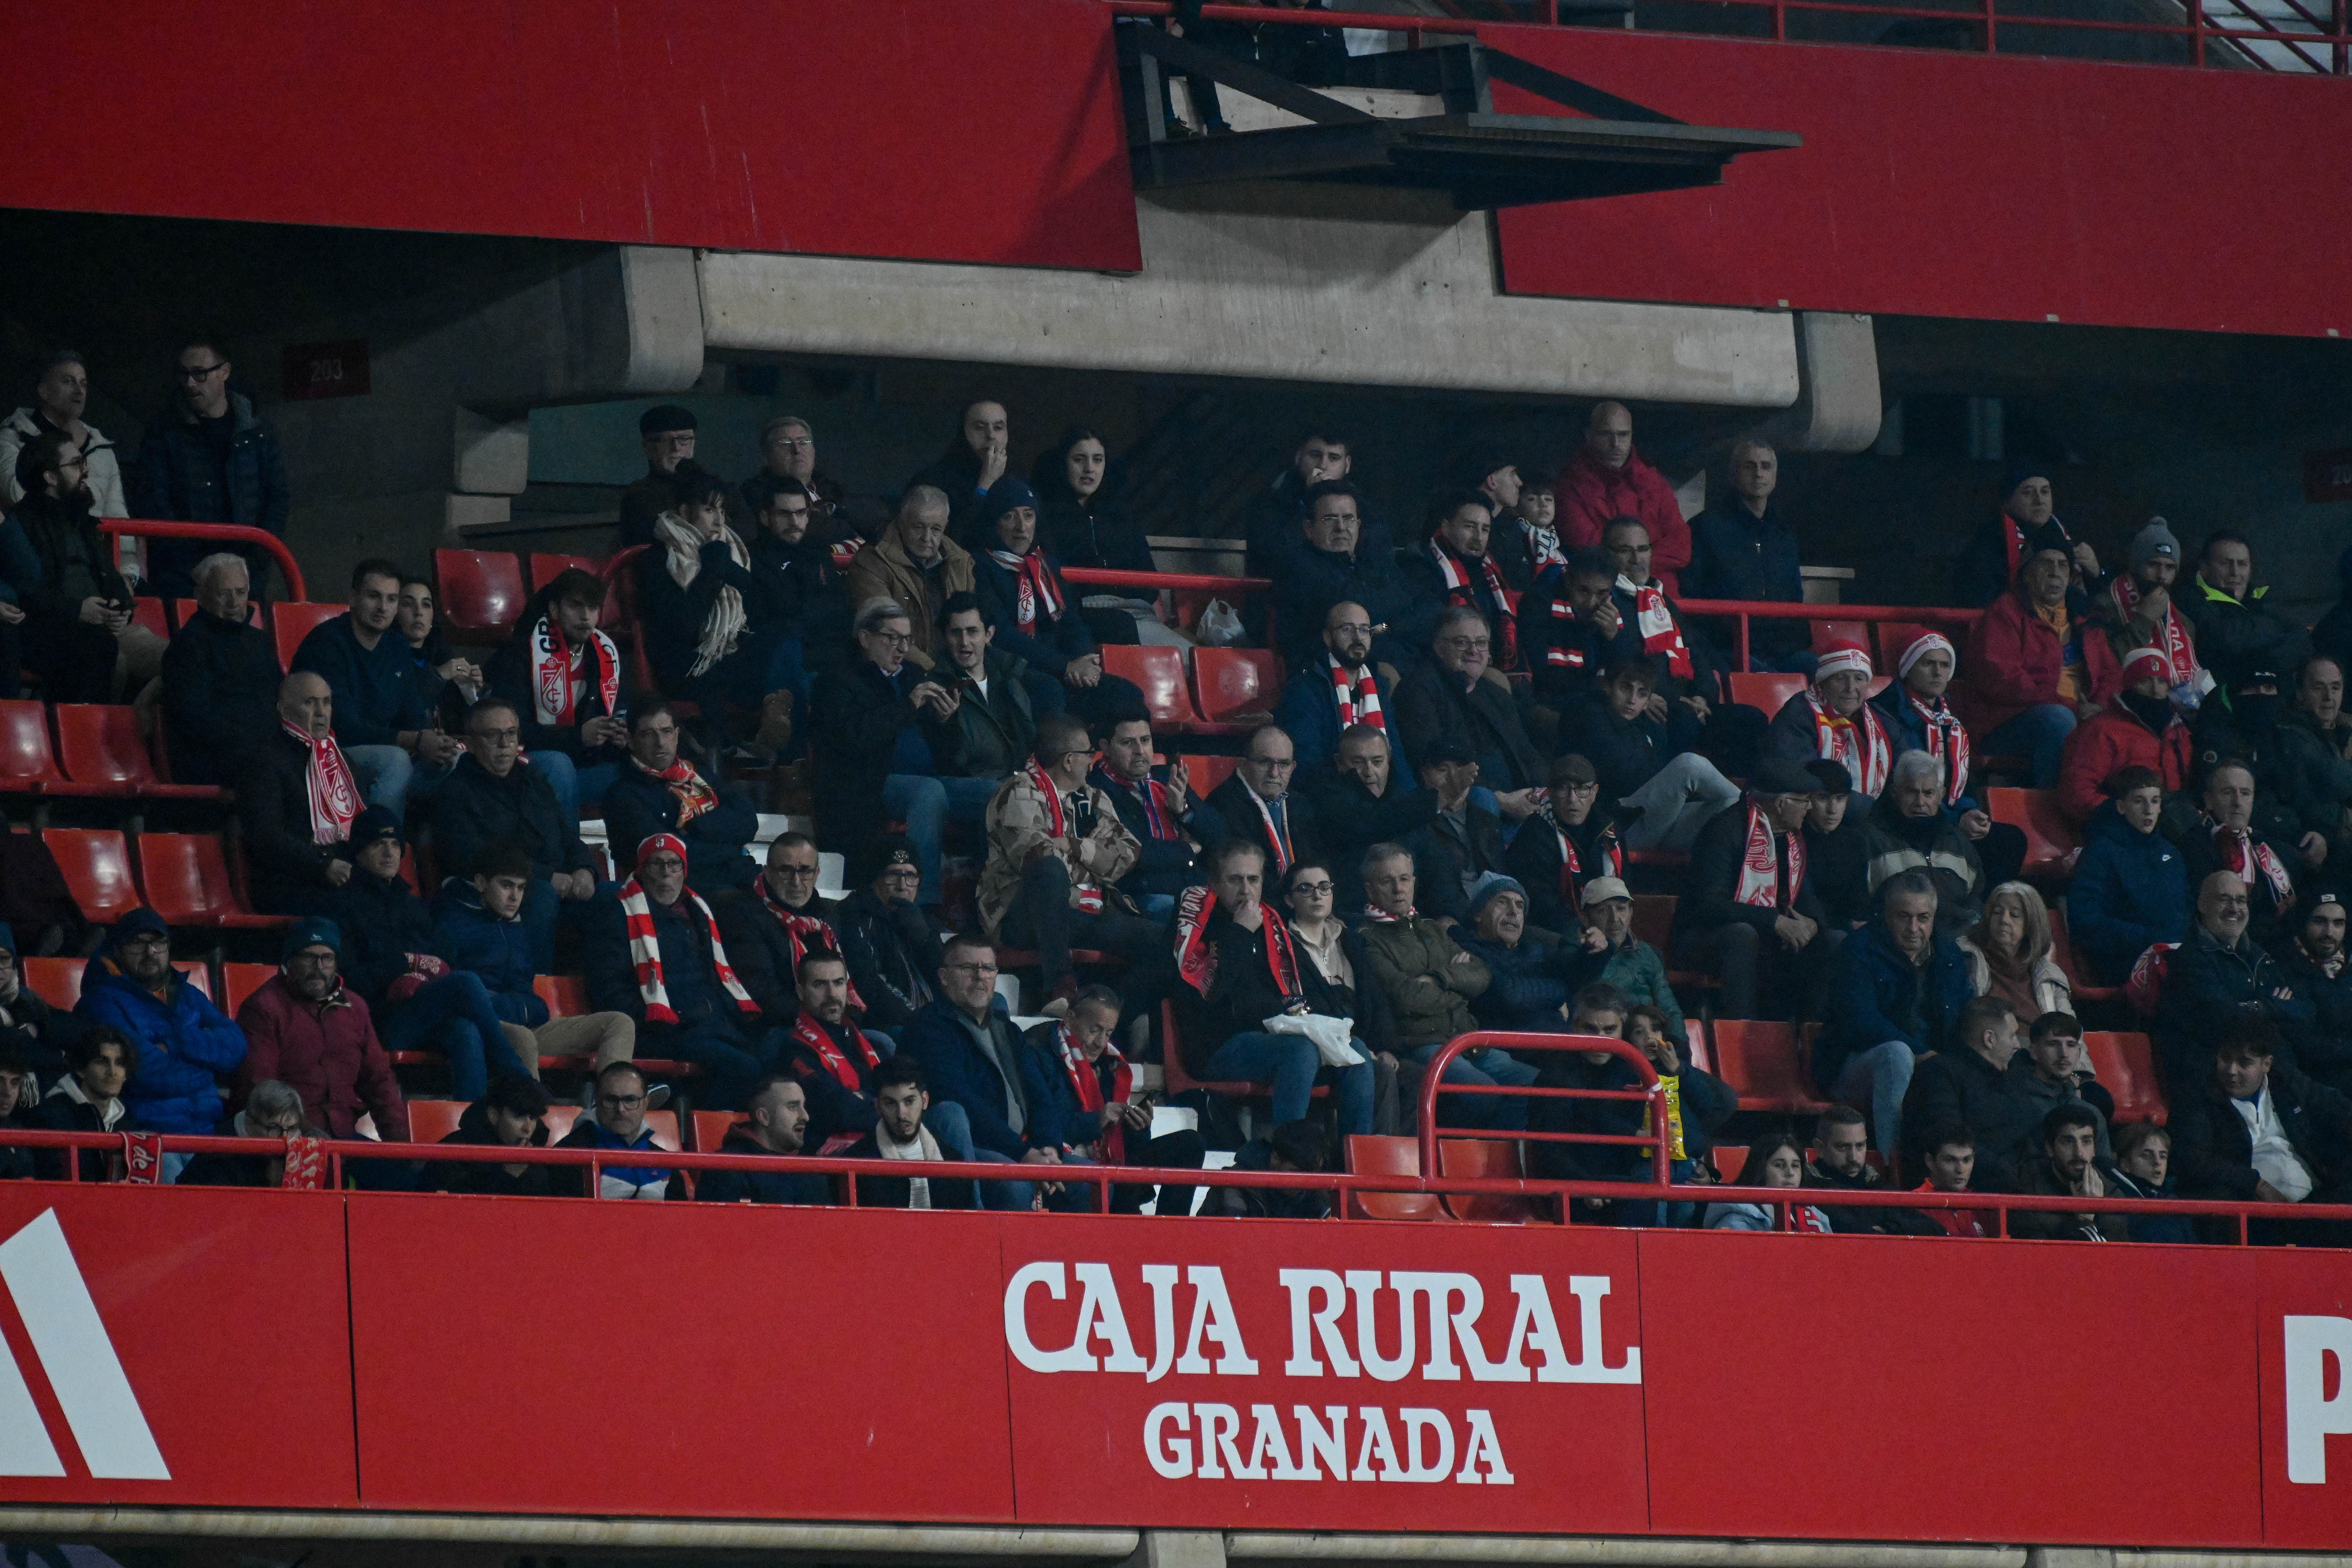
1221	626
1334	1037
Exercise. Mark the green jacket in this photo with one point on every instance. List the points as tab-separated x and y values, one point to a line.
1413	962
1638	971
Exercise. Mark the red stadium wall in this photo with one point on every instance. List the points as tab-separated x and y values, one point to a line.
1939	184
300	1350
888	127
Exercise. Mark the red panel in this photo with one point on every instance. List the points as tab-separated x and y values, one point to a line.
1966	1389
723	1362
1951	185
226	1312
1572	1450
893	128
2310	1513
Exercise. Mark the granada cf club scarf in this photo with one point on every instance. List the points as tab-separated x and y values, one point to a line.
694	796
1504	610
1090	894
2239	848
1196	956
1359	695
334	794
1947	742
1860	742
1543	547
1278	833
1086	1077
1379	916
1759	870
550	673
1661	637
809	1032
1608	854
2180	668
1035	594
805	931
1562	655
645	947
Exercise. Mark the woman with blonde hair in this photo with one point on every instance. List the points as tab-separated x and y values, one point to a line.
2009	953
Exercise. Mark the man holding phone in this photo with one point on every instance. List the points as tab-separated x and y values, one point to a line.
61	600
1083	1093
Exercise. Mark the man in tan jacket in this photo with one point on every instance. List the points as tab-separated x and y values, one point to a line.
1057	849
915	563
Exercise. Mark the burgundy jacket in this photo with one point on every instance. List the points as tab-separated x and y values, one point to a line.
328	1056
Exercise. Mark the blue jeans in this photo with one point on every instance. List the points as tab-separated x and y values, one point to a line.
967	799
1879	1077
921	802
1292	1061
2039	732
729	1070
454	1015
387	776
1488	1066
574	785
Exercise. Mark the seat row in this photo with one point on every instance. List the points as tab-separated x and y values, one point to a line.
1769	1063
95	753
184	876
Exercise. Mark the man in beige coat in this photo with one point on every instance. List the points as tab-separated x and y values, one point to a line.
915	563
1057	849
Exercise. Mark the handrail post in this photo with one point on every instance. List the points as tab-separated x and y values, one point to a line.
2197	31
1991	22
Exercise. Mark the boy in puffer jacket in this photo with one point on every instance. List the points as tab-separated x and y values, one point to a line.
479	923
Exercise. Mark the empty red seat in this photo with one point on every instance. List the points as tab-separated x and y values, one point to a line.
481	593
57	981
2127	1066
149	613
27	765
1827	634
431	1120
240	981
1481	1158
2062	949
102	749
2050	841
710	1128
187	881
1233	688
545	569
566	995
1765	690
97	866
1159	671
1759	1060
1380	1154
290	622
1207	772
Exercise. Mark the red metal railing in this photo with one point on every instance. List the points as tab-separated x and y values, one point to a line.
226	532
1652	1093
2243	25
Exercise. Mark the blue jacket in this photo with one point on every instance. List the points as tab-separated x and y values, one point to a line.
1530	981
376	695
957	1072
1907	731
1309	712
184	1044
1877	994
1055	1117
497	952
2130	890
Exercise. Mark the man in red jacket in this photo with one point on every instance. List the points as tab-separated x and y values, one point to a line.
309	1031
2139	729
2029	677
1607	478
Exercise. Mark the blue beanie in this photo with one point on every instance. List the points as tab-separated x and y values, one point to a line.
312	933
1003	496
139	922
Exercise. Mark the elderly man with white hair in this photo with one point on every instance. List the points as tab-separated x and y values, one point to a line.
220	677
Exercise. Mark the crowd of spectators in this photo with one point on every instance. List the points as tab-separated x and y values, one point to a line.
1494	713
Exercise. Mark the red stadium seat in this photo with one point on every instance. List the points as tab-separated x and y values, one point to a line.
1765	690
97	866
1759	1060
431	1120
240	981
1829	633
1160	672
481	593
545	569
2127	1068
2050	841
710	1128
566	995
1480	1158
187	880
559	1121
1730	1159
1893	636
2062	948
290	622
1207	772
57	981
27	765
199	975
1179	1079
1233	688
1375	1154
149	613
101	750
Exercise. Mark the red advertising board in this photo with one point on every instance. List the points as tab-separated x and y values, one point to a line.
1204	1376
174	1347
2302	1315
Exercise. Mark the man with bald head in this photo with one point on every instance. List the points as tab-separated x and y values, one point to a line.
1258	805
297	798
1341	687
2219	976
220	677
1608	479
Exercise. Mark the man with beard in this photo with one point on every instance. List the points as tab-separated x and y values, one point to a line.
1455	567
1572	839
64	611
1170	823
832	1058
1342	687
2135	611
2315	968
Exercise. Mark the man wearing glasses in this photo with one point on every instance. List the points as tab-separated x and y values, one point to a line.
971	1059
867	750
492	800
894	955
1451	695
212	459
1057	849
1344	687
617	1126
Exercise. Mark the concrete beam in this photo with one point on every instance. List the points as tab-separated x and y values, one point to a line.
1285	283
1838	403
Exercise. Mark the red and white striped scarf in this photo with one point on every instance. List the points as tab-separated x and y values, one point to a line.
1196	956
334	794
805	931
1563	656
1661	636
1033	588
645	947
1358	695
1759	870
1086	1077
1151	794
810	1032
2180	667
1607	851
1947	742
1090	894
694	796
1379	916
550	673
2239	847
1860	742
1504	609
1277	834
